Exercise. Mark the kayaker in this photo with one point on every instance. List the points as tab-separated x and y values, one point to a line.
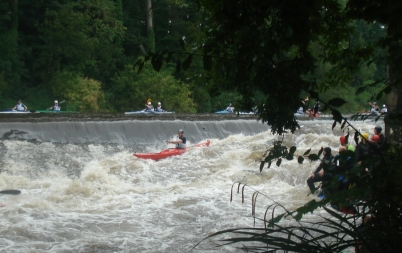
20	106
149	107
159	107
55	107
230	108
374	108
181	140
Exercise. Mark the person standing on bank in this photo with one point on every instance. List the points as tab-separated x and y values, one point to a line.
20	106
180	142
55	107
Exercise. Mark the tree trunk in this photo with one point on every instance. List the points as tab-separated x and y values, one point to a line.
150	27
393	119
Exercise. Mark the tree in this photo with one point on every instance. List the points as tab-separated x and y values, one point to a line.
150	26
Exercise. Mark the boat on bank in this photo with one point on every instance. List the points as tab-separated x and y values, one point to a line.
169	152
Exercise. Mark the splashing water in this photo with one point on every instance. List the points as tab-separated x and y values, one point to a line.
98	197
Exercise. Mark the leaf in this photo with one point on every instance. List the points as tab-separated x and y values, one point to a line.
137	63
187	62
140	66
182	44
320	152
333	125
298	216
387	89
343	124
262	165
178	65
360	90
300	159
336	102
313	157
356	137
313	94
292	150
369	63
379	95
289	157
157	62
269	164
169	57
207	61
307	152
278	163
337	116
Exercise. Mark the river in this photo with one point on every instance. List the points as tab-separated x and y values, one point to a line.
82	190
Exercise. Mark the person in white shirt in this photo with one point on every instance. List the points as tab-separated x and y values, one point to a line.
20	106
384	109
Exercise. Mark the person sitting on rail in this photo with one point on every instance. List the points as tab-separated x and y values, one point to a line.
230	108
180	141
374	108
384	109
149	107
20	106
55	107
159	107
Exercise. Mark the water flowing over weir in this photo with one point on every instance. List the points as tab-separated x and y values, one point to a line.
127	132
84	191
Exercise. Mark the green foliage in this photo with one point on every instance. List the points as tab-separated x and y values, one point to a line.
82	94
131	90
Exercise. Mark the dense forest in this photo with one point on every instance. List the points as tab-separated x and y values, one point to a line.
85	52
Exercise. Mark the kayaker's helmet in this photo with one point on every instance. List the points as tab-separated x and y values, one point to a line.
342	140
149	103
374	103
378	129
375	138
159	103
364	136
181	131
383	106
56	102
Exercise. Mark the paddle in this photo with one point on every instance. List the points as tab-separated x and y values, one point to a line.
12	192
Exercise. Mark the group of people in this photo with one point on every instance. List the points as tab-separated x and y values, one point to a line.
150	107
375	109
20	107
311	112
349	160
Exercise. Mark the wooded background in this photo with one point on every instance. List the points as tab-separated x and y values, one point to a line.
84	52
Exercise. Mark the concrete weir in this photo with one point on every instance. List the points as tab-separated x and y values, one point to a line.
124	129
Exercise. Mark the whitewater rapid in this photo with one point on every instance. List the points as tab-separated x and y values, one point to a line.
95	196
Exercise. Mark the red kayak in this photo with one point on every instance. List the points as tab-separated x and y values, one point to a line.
169	152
